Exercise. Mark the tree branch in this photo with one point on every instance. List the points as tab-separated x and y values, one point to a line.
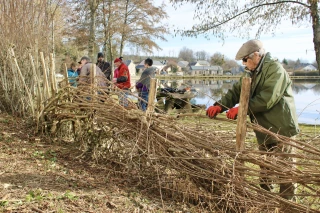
252	8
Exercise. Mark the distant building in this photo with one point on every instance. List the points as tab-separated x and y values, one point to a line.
237	70
200	63
308	68
182	64
206	70
131	66
157	64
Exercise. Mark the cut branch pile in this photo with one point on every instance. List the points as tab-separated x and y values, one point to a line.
185	162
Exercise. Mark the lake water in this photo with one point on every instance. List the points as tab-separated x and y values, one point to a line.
306	94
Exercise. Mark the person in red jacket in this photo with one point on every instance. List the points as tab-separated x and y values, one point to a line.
122	81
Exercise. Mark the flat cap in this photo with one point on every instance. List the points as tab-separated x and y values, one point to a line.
249	47
84	58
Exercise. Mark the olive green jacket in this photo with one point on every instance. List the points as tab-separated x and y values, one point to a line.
271	103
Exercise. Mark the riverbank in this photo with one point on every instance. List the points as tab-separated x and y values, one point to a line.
174	77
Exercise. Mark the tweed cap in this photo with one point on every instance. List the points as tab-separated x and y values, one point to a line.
84	58
249	47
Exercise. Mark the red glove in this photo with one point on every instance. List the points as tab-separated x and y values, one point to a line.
213	111
232	113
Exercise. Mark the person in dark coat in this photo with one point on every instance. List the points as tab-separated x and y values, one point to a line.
143	84
104	66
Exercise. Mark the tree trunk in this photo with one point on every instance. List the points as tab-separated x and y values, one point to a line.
123	29
108	37
91	45
316	29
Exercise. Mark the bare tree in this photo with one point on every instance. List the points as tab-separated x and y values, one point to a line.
141	24
186	54
229	64
217	59
229	16
201	55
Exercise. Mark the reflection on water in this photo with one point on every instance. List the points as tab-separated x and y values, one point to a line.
306	94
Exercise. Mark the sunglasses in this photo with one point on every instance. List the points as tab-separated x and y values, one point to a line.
245	59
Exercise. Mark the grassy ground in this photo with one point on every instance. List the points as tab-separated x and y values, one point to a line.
38	176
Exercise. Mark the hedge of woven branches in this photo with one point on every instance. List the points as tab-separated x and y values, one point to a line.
192	163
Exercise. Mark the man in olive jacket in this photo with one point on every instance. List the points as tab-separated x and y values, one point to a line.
271	103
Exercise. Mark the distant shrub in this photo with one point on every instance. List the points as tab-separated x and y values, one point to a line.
306	73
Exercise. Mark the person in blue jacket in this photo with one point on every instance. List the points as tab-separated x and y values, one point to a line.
73	74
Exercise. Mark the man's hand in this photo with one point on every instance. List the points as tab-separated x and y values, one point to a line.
232	113
114	80
213	111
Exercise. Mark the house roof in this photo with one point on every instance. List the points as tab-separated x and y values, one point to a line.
128	62
183	64
203	63
139	66
309	68
157	63
217	68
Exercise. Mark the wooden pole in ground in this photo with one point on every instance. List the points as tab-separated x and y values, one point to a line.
66	81
93	79
152	95
39	94
242	114
37	80
53	76
45	78
24	83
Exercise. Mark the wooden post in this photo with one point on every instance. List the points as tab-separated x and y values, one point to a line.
37	81
53	75
242	114
66	81
152	95
65	74
45	78
24	83
93	79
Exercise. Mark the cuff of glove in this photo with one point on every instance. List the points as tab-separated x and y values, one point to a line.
222	108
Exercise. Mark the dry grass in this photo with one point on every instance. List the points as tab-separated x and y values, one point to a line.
195	163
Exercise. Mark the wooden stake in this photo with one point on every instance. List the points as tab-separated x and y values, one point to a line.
53	76
37	81
152	95
66	81
242	114
93	80
45	78
24	83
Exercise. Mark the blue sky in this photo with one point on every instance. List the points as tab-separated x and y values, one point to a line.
289	41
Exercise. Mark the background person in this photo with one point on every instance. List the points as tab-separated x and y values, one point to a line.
271	104
143	84
84	77
122	81
104	66
73	74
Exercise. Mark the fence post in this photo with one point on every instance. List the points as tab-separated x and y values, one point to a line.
242	114
45	78
53	81
152	95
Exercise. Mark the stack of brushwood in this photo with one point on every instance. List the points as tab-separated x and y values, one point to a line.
190	163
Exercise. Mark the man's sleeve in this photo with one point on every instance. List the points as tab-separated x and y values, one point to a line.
123	75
